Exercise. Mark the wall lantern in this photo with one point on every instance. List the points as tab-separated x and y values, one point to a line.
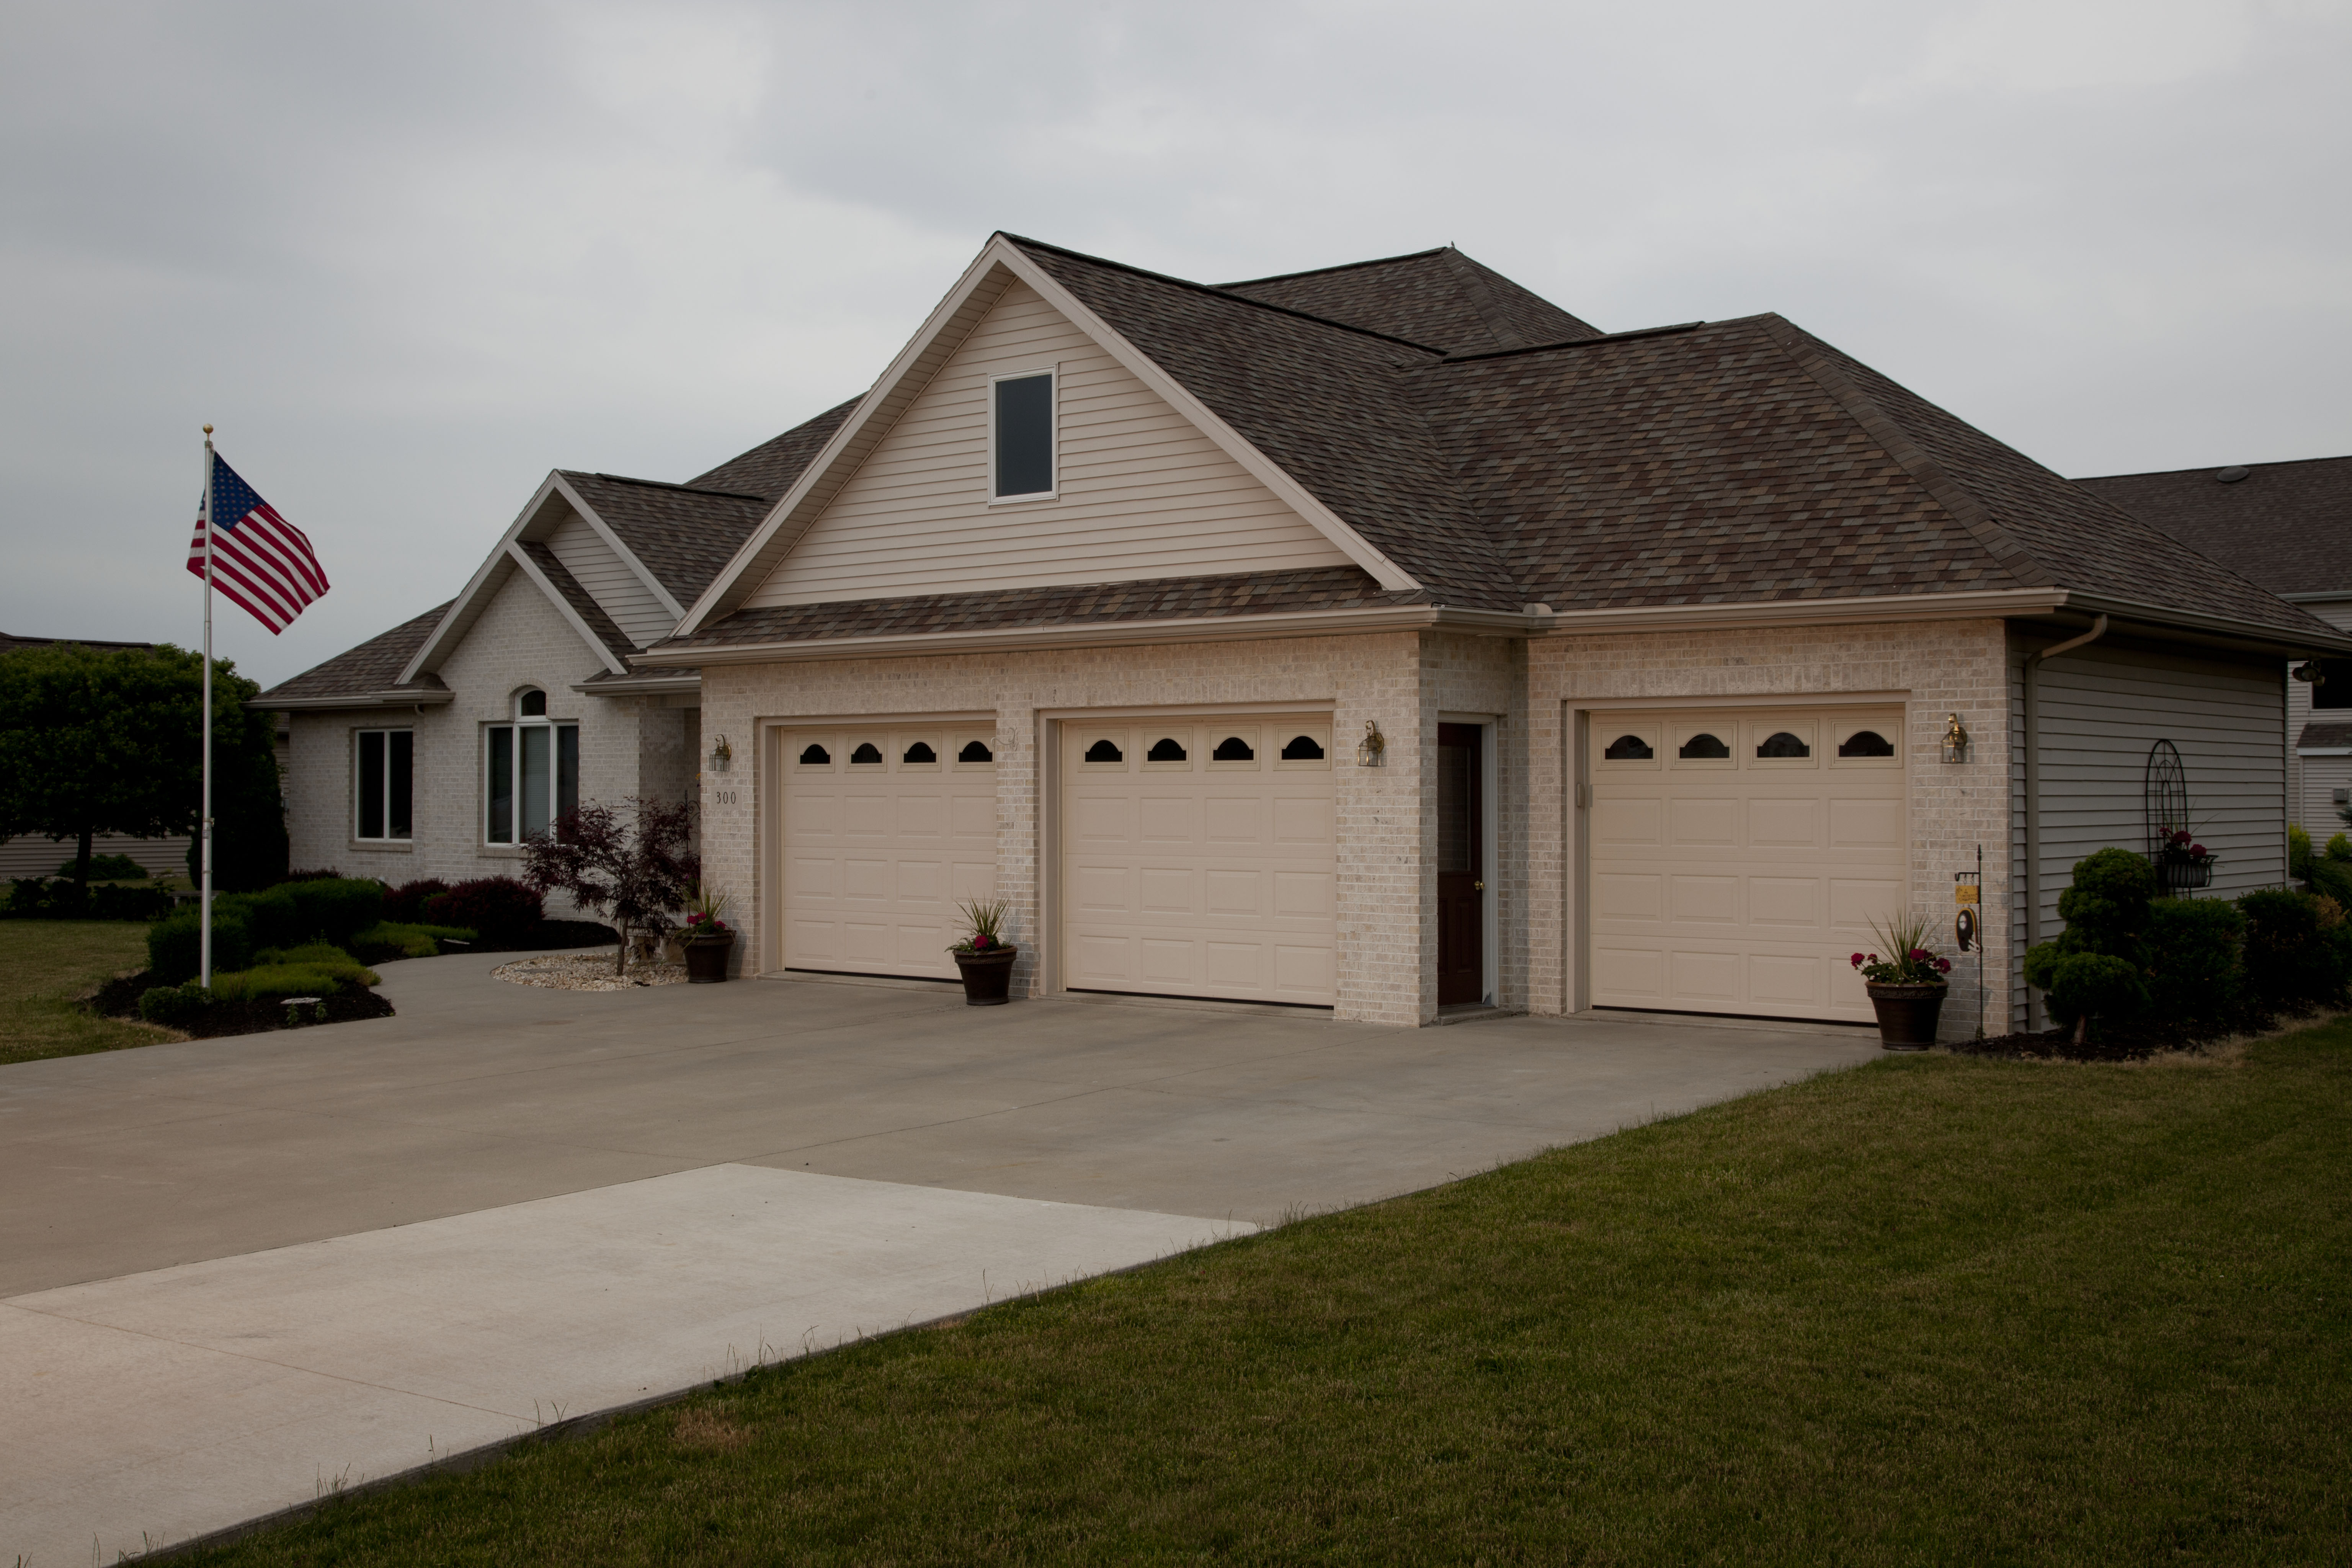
1956	739
722	756
1373	748
2310	673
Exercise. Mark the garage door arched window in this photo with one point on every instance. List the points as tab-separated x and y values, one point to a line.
1865	744
1781	744
1629	749
1704	747
1105	750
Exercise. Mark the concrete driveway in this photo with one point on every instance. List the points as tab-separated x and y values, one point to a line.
236	1272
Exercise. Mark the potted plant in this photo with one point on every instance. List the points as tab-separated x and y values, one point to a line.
984	957
1906	990
709	937
2182	864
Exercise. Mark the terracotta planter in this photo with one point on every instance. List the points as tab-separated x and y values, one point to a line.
706	958
1906	1013
987	976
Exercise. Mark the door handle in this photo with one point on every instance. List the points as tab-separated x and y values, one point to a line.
1477	887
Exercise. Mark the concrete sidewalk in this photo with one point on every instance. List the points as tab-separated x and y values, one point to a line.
505	1195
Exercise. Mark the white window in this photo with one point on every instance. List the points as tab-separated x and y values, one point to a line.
532	772
384	784
1020	436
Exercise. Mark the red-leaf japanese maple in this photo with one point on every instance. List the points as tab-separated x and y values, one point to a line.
634	871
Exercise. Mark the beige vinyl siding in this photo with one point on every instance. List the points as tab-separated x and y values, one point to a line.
621	592
2314	780
1143	493
2100	710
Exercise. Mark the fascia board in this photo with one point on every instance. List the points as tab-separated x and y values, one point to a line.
1391	577
642	686
628	557
730	588
467	606
355	701
530	568
1084	634
2253	634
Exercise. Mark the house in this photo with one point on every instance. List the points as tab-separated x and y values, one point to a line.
33	855
1382	640
2287	527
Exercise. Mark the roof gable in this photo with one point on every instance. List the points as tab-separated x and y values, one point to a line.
1440	299
1142	492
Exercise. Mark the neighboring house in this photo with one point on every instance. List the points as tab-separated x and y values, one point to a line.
2288	527
33	856
1379	639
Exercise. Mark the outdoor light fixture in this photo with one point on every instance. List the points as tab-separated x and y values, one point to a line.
2310	674
1373	748
1956	739
722	756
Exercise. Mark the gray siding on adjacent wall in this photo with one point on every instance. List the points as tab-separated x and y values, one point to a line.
2100	710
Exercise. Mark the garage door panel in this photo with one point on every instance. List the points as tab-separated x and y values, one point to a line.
1218	879
876	853
1740	883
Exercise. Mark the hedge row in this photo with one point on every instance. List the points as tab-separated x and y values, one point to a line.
44	898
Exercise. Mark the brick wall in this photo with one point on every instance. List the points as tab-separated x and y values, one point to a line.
1941	667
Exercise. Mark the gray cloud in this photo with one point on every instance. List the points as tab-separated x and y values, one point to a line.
408	258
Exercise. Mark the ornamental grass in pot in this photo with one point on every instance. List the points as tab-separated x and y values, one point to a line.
1906	990
709	938
984	957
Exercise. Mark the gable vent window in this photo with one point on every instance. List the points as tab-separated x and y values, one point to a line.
1233	749
1780	743
1165	750
815	756
1629	749
1021	422
1303	749
387	782
1105	752
867	753
1704	745
975	752
531	770
1865	744
920	751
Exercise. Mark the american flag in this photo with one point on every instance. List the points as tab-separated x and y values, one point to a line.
262	561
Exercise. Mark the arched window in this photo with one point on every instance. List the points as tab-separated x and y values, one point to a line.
1233	749
815	756
1303	749
1865	744
920	751
866	753
531	704
1703	746
1629	749
1780	743
1167	749
531	770
975	752
1105	752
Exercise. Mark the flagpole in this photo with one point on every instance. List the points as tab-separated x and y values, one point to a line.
204	940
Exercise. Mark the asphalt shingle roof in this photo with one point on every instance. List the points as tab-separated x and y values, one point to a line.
583	603
2286	526
1440	299
2324	733
372	667
768	469
684	534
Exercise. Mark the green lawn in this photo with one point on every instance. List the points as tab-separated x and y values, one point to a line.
1937	1310
45	965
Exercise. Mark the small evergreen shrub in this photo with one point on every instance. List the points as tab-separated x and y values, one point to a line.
2095	973
502	910
337	909
173	1006
389	940
109	868
2197	963
173	944
404	905
273	917
2298	949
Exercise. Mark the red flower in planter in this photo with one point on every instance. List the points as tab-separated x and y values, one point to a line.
1943	966
1857	961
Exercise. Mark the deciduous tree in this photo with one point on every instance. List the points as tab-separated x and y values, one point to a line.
636	871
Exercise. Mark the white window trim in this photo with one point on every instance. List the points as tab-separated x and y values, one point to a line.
386	836
1053	371
514	768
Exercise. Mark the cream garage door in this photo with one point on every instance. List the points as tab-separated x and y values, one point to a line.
1197	859
886	828
1739	857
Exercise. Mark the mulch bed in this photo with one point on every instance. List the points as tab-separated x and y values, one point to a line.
2058	1045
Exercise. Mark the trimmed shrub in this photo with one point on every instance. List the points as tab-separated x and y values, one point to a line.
502	910
2107	913
2088	988
173	944
393	938
2298	949
123	868
173	1006
404	905
274	981
2197	954
327	875
40	897
338	909
273	918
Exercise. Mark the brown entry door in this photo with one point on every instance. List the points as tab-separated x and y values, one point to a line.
1461	871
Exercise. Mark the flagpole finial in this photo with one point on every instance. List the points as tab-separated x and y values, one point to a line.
208	429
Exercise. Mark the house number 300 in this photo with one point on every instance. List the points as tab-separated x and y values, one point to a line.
723	797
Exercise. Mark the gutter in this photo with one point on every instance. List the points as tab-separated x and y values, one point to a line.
355	699
2034	788
642	686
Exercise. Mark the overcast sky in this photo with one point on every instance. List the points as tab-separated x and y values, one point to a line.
408	257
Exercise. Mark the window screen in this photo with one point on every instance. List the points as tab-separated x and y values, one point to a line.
1025	436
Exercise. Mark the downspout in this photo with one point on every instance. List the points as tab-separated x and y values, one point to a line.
2033	789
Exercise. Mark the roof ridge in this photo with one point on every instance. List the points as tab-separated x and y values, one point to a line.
1955	497
1475	289
661	484
1216	294
1339	267
1580	342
